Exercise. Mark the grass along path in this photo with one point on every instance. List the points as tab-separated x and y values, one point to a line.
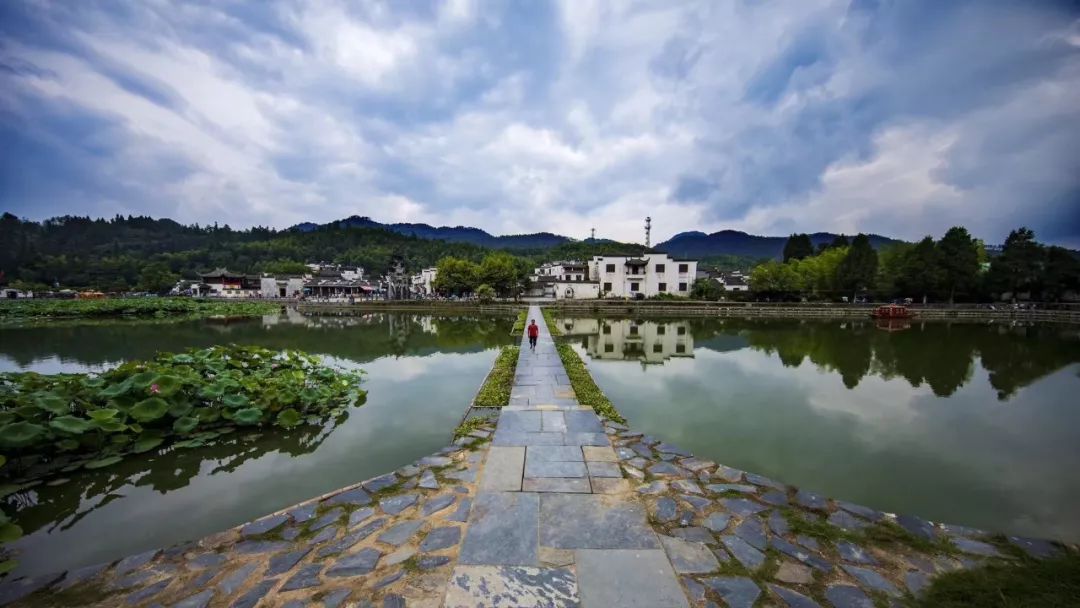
131	307
495	391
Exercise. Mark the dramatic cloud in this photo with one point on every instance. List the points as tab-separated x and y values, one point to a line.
901	118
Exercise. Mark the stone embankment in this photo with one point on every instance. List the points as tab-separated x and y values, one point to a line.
551	506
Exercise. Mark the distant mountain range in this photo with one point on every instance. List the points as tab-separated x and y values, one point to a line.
456	234
732	242
685	244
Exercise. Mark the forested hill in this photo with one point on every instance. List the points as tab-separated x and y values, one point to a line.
456	234
732	242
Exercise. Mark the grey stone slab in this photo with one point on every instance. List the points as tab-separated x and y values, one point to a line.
665	509
435	461
578	485
331	517
251	547
720	488
846	521
695	534
1036	547
504	469
736	591
438	503
283	562
790	572
748	556
850	552
461	514
761	480
803	555
593	521
716	522
400	533
628	579
775	498
256	593
303	513
502	530
353	537
916	581
524	422
811	500
389	579
742	506
380	483
264	525
199	600
975	547
555	453
552	422
686	486
517	438
544	468
604	469
307	576
696	464
430	562
917	526
847	596
441	538
355	564
396	504
335	598
393	600
752	531
324	535
872	579
694	590
133	562
582	421
598	439
861	511
699	503
395	558
669	448
688	557
81	575
666	469
204	577
236	579
147	592
525	587
359	516
778	523
793	599
356	496
808	542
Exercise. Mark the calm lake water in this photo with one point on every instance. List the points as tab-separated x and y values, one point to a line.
421	374
971	424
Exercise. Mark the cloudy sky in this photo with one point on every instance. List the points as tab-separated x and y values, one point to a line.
899	117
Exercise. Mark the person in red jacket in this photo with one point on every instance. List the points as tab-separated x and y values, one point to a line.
534	333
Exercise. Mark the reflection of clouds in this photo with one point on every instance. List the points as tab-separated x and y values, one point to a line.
406	369
54	365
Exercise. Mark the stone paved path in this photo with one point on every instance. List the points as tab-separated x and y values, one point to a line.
554	522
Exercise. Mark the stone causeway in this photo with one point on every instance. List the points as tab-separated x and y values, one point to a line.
549	506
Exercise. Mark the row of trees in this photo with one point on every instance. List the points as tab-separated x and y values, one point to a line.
498	274
955	266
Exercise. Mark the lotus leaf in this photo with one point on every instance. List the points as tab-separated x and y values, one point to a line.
7	418
236	401
54	404
115	390
183	359
19	434
67	445
121	439
29	412
10	488
110	426
103	414
207	414
145	444
150	409
189	443
185	424
288	418
166	384
248	415
10	532
70	424
309	395
3	460
143	379
180	408
212	391
103	462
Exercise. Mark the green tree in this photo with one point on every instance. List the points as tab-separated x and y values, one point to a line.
707	289
156	277
859	268
499	272
891	260
456	276
797	247
920	271
774	279
485	292
1018	267
959	259
1061	273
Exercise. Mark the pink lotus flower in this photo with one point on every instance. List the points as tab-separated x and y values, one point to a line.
155	389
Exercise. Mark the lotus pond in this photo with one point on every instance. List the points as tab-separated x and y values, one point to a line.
972	424
419	374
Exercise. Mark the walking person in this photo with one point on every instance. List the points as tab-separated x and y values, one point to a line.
534	333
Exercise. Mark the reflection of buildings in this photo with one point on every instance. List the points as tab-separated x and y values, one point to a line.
628	340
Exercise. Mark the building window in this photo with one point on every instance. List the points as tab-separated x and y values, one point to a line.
682	286
633	286
658	348
607	286
609	348
684	268
661	330
662	287
681	330
680	348
633	330
659	268
611	268
607	330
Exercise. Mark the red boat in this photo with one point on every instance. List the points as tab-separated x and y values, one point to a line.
891	311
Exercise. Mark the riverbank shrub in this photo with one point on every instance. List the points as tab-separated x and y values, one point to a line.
585	388
519	325
1027	583
186	398
495	392
131	307
549	318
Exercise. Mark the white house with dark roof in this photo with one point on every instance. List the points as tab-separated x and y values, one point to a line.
642	276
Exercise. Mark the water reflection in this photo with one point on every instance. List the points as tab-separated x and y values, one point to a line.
963	423
421	373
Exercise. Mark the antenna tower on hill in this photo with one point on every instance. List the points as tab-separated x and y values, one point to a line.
648	231
592	234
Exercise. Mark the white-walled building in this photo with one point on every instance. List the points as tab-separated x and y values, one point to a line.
571	270
629	340
642	276
423	283
282	287
735	281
